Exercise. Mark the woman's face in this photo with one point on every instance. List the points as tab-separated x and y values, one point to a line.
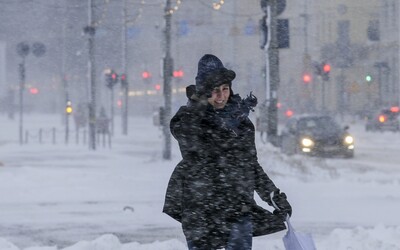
219	96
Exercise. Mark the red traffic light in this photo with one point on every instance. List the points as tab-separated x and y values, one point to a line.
146	74
114	76
306	78
289	113
123	77
34	91
178	73
157	87
326	68
395	109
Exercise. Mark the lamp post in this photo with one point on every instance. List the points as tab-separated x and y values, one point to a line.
90	30
272	9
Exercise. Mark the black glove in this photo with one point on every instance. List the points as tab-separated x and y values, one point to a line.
280	203
245	106
236	112
249	103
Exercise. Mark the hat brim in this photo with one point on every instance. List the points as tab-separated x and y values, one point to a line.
219	77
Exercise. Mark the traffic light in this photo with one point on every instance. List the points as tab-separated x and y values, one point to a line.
264	32
111	78
146	74
34	91
326	69
322	69
157	87
124	81
307	78
114	77
68	108
395	109
178	73
289	113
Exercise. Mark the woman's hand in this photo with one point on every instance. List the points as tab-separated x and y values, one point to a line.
280	203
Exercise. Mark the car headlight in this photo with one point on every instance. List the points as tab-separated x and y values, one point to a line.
348	139
307	142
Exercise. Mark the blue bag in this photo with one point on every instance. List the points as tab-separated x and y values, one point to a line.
297	241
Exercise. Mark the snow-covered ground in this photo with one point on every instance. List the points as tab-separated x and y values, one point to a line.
58	196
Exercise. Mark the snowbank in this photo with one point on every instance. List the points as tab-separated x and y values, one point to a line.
379	237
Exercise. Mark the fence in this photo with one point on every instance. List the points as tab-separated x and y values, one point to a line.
51	135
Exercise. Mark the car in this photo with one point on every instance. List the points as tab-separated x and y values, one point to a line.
316	135
386	119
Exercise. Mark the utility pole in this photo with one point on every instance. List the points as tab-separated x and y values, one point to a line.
273	54
125	86
112	109
272	68
309	89
90	31
21	99
167	75
64	75
65	83
22	50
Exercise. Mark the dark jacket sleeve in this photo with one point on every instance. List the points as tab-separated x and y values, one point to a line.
189	127
263	184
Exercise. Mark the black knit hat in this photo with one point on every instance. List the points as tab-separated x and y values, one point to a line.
211	73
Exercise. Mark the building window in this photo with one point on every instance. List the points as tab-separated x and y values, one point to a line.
373	30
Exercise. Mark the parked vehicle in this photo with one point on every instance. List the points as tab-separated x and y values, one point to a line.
386	119
317	135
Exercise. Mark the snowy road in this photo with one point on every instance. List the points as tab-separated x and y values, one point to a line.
61	194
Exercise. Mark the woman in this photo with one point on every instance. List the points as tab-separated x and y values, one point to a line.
211	191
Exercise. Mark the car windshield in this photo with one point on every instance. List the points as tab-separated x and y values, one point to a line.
318	123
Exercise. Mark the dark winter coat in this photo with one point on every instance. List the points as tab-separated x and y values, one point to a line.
214	183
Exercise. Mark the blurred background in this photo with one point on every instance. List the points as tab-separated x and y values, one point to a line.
358	39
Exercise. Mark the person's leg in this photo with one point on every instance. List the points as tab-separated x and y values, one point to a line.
241	236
